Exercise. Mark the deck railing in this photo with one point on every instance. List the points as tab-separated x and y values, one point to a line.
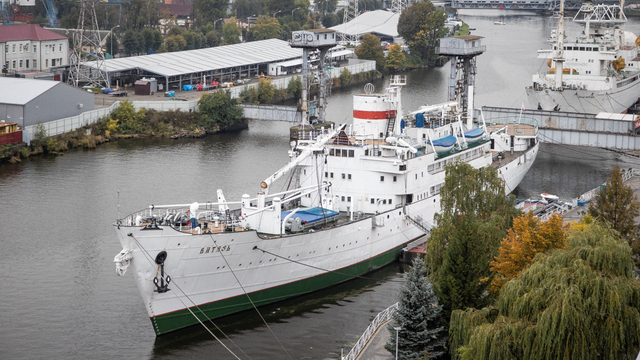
378	321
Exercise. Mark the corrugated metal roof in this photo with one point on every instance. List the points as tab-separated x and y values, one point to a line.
341	53
379	21
18	91
616	116
202	60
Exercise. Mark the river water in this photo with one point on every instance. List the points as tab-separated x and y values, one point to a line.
60	296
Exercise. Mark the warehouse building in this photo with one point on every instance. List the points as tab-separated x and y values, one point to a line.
381	23
29	102
221	63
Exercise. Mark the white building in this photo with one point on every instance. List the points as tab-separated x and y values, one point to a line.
25	48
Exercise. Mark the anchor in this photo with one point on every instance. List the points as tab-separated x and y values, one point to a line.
162	287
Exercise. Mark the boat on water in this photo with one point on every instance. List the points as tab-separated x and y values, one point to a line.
596	71
357	194
499	23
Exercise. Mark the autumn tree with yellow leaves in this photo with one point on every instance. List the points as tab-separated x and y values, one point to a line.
528	237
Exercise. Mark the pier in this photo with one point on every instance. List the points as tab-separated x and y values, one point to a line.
610	131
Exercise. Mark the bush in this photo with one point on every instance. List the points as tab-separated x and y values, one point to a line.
266	91
219	108
345	77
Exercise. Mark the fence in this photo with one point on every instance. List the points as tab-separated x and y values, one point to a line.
60	126
272	112
378	321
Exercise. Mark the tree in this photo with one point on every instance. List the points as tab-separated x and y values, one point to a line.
616	204
421	25
528	237
395	58
345	77
575	303
419	315
175	43
131	42
212	39
475	215
266	28
370	49
219	109
231	32
266	91
329	20
112	43
208	11
295	86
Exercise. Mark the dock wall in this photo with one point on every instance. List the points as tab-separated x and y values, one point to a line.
574	129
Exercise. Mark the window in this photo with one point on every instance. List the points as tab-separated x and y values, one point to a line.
331	152
389	201
14	48
35	48
342	198
53	62
384	202
326	174
395	178
344	153
349	176
35	64
26	48
343	176
373	201
47	61
46	49
331	175
53	48
381	178
325	36
60	47
14	64
351	153
27	63
349	198
20	64
20	47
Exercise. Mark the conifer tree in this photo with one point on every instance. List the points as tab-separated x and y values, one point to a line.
617	205
581	302
419	315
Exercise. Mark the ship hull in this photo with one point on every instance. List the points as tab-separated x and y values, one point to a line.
212	274
585	101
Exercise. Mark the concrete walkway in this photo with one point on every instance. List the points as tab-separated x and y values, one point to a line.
375	348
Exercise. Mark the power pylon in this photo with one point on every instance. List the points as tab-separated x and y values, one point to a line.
87	49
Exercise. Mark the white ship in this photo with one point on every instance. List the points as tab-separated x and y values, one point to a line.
597	71
358	194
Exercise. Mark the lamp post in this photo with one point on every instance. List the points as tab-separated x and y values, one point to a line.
294	10
215	22
397	329
111	35
277	12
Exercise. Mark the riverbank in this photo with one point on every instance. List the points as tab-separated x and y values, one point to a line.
169	124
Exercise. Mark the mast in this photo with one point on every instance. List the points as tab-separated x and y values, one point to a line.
559	54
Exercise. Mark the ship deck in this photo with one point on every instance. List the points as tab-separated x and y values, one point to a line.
514	129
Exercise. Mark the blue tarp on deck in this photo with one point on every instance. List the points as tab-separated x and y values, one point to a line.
446	141
474	133
310	215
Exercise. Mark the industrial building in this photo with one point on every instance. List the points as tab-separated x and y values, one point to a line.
222	64
29	102
381	23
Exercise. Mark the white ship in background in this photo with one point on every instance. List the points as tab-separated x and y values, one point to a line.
597	71
356	195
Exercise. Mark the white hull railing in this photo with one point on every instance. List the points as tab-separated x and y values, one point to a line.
382	318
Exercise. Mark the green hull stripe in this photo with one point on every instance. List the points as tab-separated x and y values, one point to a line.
165	323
